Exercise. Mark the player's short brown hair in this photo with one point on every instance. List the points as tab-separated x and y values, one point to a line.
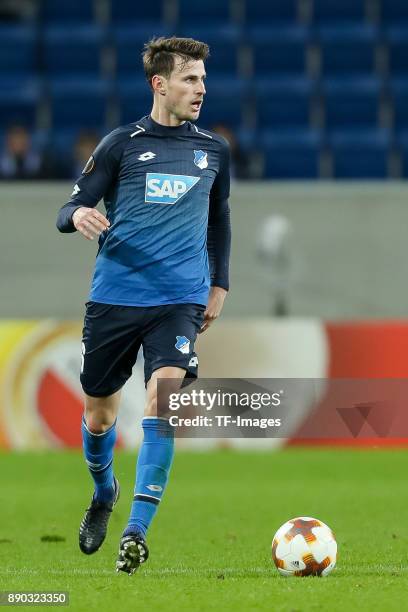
160	53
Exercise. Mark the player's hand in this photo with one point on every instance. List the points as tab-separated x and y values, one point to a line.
214	307
89	222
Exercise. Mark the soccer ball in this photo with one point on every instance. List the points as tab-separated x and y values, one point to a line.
304	546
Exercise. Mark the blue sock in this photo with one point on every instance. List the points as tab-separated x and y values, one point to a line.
152	472
98	451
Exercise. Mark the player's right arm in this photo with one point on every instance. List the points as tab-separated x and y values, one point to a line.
80	214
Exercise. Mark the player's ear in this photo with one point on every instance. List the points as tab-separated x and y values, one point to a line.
158	84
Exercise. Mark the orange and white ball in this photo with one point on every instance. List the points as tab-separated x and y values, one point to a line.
304	546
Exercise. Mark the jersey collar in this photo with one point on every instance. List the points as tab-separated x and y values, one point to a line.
166	130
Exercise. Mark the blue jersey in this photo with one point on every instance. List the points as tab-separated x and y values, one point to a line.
160	186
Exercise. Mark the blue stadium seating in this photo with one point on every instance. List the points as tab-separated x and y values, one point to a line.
260	12
398	91
224	103
394	11
335	11
18	50
352	102
283	102
131	11
397	39
402	147
67	46
360	154
63	140
223	59
134	100
281	51
224	42
210	12
19	100
291	154
71	50
79	103
128	42
347	49
247	138
73	11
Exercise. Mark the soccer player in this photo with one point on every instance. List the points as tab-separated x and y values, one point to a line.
161	276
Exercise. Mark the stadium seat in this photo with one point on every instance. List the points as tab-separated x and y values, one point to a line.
394	11
224	42
19	98
259	12
224	59
351	102
74	11
63	139
360	154
398	90
397	39
283	102
247	138
18	50
291	154
402	146
210	12
70	50
347	49
79	103
134	101
224	103
131	11
128	42
335	11
280	51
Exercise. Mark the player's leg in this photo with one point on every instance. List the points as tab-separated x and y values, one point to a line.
110	346
155	455
152	471
98	437
169	353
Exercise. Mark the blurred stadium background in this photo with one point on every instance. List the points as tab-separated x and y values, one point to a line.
309	88
303	89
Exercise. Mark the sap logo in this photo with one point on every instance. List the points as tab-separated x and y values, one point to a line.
76	191
167	188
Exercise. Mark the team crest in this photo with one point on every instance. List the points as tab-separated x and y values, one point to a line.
200	159
182	344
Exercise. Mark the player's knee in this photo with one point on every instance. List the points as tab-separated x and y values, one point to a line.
151	406
157	401
97	424
98	420
155	407
100	412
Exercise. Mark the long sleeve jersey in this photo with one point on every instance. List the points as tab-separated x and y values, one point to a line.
165	191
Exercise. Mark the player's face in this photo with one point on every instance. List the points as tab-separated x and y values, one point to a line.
185	90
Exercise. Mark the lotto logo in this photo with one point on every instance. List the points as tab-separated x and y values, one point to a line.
167	188
146	156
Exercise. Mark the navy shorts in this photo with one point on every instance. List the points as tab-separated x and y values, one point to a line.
112	336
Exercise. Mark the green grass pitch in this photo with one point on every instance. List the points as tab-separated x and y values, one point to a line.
210	541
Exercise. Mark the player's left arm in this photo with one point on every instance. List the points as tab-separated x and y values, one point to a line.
219	240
